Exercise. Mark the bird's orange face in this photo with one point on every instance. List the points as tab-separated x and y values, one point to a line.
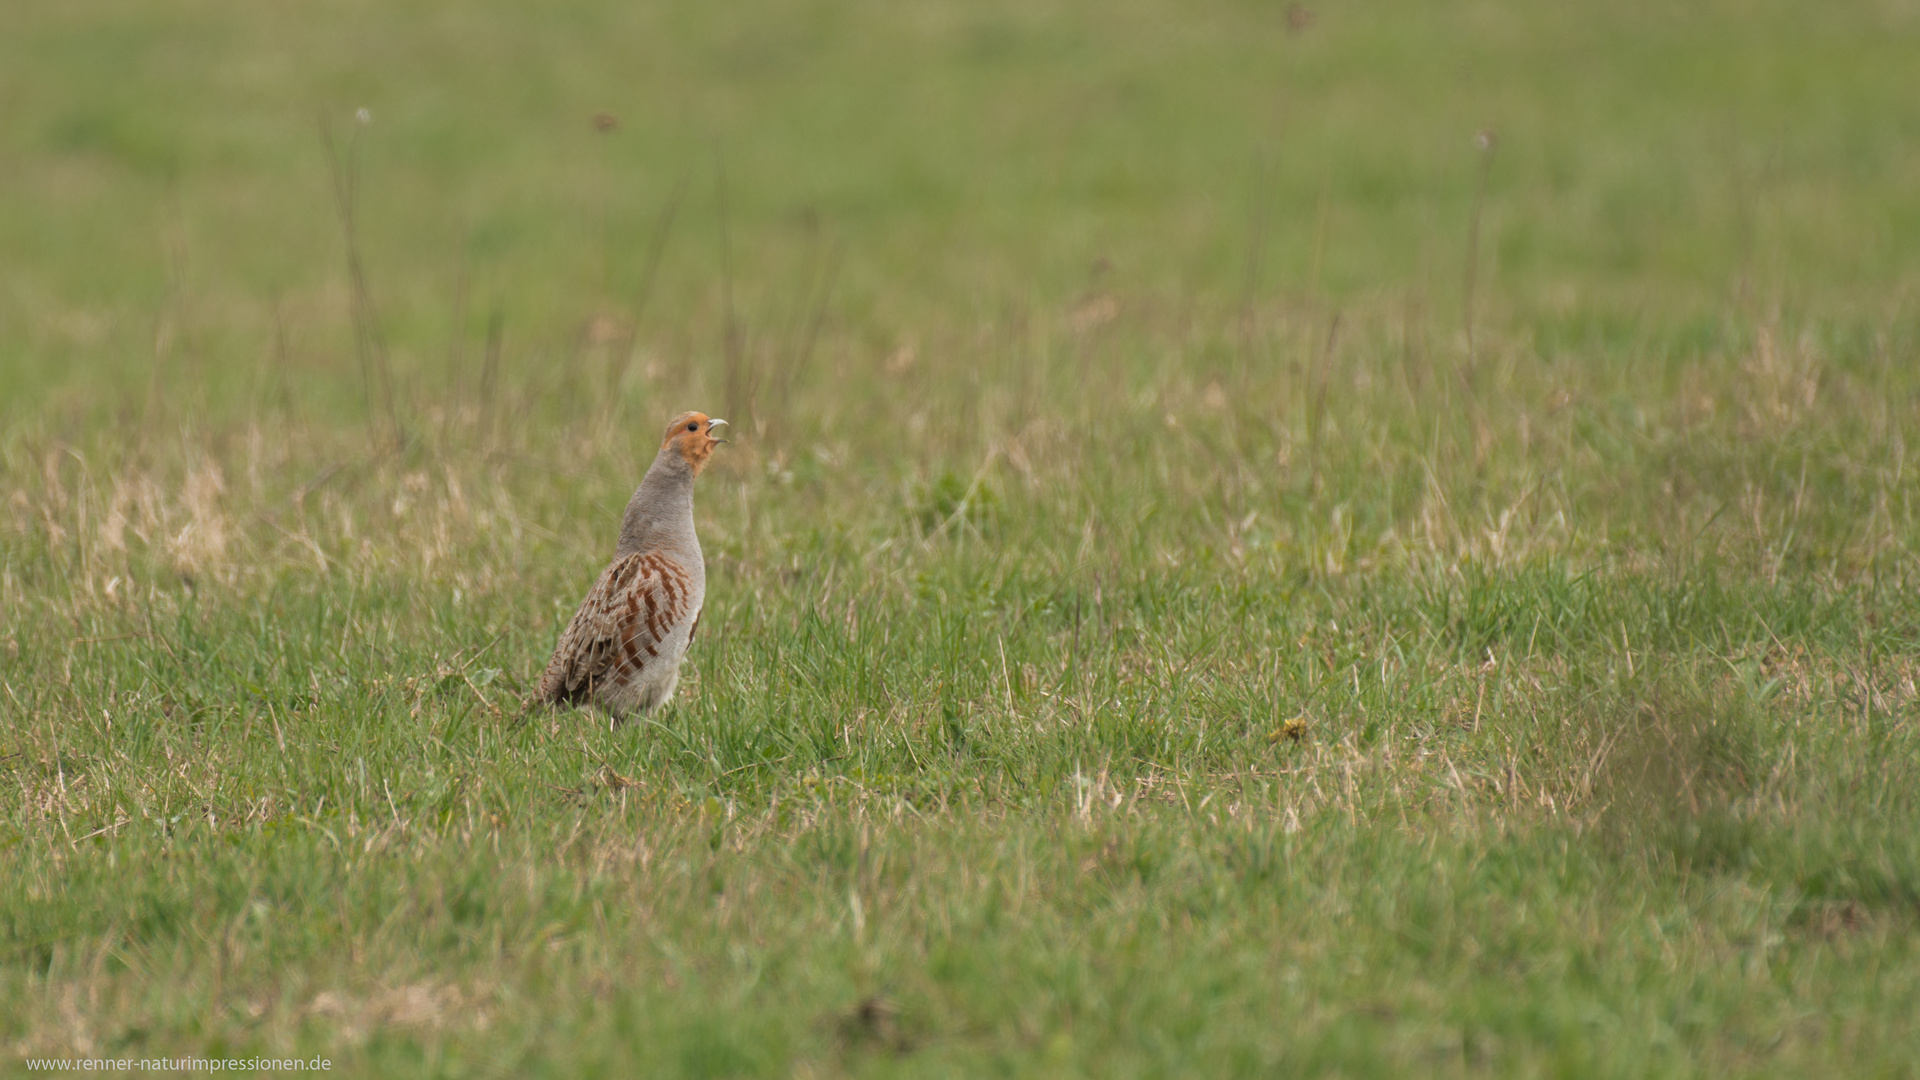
695	435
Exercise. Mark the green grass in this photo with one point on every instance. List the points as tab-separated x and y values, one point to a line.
1163	619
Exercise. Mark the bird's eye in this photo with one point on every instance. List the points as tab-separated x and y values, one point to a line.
693	427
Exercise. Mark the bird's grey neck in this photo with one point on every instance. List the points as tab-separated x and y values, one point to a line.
660	514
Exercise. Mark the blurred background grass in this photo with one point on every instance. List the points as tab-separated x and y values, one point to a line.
1350	540
1655	168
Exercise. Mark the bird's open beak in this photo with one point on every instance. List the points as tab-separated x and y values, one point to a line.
717	430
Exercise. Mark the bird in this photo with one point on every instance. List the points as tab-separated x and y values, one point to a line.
622	651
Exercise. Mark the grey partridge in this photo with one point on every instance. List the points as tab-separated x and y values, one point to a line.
622	651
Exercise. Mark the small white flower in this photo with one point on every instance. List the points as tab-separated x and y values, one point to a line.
364	115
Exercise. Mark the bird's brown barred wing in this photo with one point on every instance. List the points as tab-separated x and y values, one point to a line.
618	630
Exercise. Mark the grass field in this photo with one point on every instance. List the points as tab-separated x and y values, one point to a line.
1368	541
